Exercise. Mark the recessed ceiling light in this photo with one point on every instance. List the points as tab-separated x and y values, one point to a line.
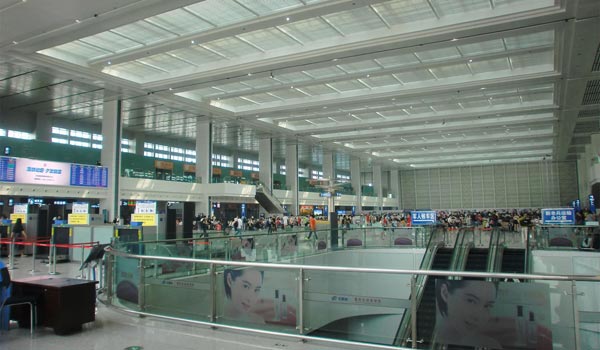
15	42
470	61
454	39
249	74
77	21
482	88
170	89
193	42
287	19
109	63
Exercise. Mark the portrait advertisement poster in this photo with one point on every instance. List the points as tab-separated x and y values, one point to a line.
260	296
288	245
243	250
493	315
127	279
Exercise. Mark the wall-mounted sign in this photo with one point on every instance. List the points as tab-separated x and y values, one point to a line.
216	171
79	219
145	207
41	172
89	175
255	176
80	208
558	216
164	165
21	208
189	168
7	169
236	173
423	217
145	219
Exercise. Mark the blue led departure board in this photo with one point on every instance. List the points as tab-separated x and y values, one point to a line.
89	175
7	169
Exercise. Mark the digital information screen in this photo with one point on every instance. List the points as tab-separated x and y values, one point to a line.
7	169
89	175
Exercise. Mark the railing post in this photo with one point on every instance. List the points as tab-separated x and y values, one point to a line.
141	287
213	292
32	271
108	276
11	260
300	313
575	315
413	310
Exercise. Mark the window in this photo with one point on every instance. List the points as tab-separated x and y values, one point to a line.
315	174
20	135
302	172
60	131
342	177
222	160
282	169
247	164
2	132
79	143
60	140
127	146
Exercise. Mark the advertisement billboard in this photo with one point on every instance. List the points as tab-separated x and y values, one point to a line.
41	172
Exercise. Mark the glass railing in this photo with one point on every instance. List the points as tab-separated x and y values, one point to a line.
352	306
564	237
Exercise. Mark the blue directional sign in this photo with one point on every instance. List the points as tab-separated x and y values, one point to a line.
423	217
558	216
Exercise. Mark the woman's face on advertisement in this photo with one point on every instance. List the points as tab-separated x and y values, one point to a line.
245	289
469	306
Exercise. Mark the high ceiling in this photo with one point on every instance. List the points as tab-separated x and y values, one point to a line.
404	83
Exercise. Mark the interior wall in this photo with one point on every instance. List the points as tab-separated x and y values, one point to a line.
523	185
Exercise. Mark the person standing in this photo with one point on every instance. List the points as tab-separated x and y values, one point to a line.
18	234
312	225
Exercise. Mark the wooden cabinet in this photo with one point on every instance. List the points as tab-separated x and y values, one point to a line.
64	304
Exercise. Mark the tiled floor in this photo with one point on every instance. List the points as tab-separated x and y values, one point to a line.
114	330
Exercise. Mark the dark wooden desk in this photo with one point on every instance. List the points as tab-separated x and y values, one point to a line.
64	303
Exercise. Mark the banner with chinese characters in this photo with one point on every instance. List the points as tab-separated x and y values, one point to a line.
423	217
145	207
558	216
80	208
79	219
145	219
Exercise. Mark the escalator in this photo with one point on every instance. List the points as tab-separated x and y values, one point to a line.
477	261
513	261
268	201
426	310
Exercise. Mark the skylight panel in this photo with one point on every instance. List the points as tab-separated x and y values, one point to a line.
312	29
401	12
355	21
221	13
144	32
180	21
268	7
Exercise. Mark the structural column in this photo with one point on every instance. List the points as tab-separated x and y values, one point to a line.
43	127
377	185
139	143
395	185
111	154
291	176
265	163
328	173
355	178
204	162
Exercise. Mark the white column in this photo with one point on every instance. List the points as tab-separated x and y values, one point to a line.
329	173
203	162
356	183
111	154
139	143
265	162
291	176
583	177
43	127
395	186
377	185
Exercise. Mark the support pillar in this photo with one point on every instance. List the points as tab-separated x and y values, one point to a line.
265	163
111	155
43	127
291	177
395	186
378	186
203	162
355	178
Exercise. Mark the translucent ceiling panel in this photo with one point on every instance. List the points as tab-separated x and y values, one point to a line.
484	47
288	93
534	59
197	55
358	67
262	98
262	83
454	7
111	42
326	72
356	21
377	81
180	21
144	32
404	11
398	61
231	47
166	62
495	65
78	49
269	39
475	104
447	107
318	90
235	102
263	8
414	76
505	100
290	78
233	87
348	85
370	116
438	54
549	97
451	71
221	13
529	40
311	29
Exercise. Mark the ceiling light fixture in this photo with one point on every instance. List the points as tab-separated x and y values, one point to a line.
77	21
287	19
470	61
454	39
109	63
193	42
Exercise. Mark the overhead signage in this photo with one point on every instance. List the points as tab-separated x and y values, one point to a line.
88	175
41	172
558	216
79	219
80	208
21	208
145	219
592	204
325	194
145	207
7	169
423	217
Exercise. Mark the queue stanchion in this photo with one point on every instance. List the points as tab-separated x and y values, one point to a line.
11	257
33	248
82	274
